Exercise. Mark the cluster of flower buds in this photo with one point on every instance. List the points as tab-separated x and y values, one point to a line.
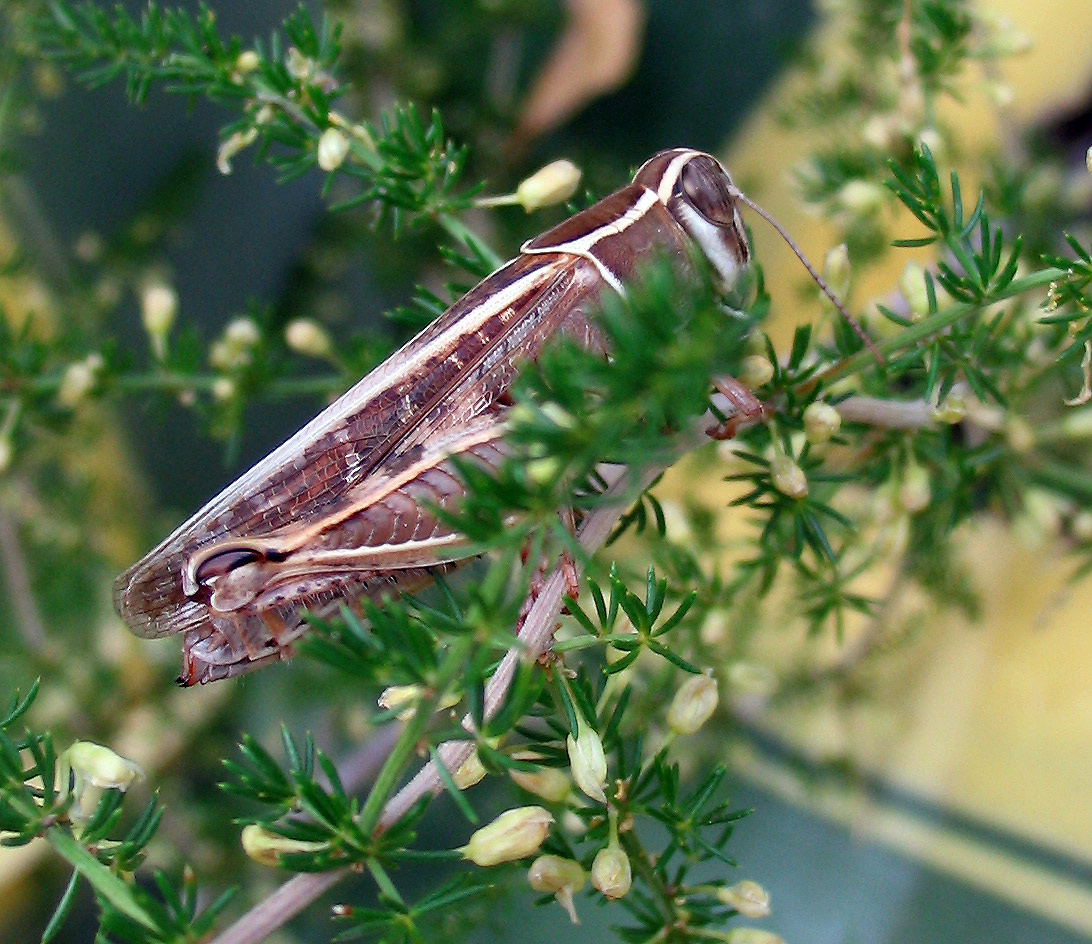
235	347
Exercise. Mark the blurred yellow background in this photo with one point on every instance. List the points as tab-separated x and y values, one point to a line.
991	719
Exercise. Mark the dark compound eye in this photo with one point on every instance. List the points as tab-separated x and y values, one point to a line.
224	562
704	185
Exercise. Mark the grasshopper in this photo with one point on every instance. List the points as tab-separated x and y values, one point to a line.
345	509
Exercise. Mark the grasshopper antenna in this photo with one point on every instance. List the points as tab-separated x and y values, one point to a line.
819	280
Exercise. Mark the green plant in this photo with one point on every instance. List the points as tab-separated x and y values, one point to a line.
965	415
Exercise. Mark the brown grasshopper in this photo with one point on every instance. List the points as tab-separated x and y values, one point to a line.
345	508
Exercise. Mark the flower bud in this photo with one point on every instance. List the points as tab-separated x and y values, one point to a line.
714	629
246	62
588	762
836	270
223	389
861	197
267	847
1081	526
915	492
79	380
242	332
308	337
94	769
515	834
470	772
610	872
821	422
562	877
158	307
299	66
756	371
1088	159
748	898
231	146
788	478
6	453
952	410
554	183
400	696
333	147
693	704
913	288
550	783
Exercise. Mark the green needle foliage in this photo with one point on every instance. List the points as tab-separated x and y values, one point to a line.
976	406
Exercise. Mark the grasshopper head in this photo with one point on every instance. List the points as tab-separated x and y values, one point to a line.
698	192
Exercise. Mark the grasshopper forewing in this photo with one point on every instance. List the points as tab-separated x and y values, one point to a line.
342	510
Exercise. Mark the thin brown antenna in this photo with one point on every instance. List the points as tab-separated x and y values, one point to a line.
819	280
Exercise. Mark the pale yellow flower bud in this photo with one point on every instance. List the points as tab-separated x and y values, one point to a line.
714	630
558	415
247	61
915	492
862	197
308	337
231	146
748	898
588	762
79	380
333	147
562	877
836	270
242	332
515	834
470	772
756	371
267	847
299	66
6	453
554	183
693	704
821	422
543	471
1081	526
223	389
158	308
788	478
913	288
611	873
94	769
550	783
952	410
934	141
